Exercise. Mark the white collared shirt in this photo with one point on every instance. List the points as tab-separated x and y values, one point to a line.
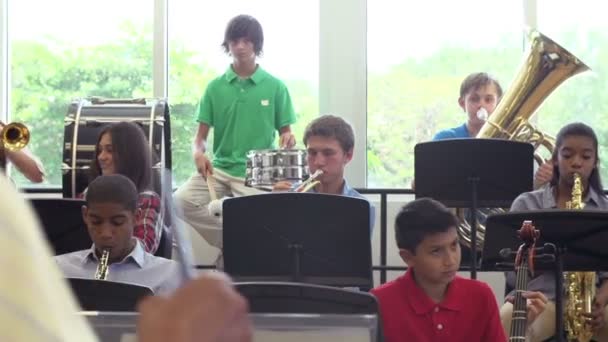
139	268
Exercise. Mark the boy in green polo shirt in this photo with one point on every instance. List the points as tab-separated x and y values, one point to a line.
246	106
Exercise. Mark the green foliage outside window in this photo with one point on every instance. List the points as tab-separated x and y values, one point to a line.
417	98
47	75
406	105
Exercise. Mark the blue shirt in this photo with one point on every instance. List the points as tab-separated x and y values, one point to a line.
453	133
139	268
350	192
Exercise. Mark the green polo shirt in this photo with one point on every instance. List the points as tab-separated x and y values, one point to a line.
245	115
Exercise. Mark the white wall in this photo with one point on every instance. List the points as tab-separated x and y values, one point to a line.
343	74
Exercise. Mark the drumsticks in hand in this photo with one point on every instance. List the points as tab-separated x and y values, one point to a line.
215	206
211	186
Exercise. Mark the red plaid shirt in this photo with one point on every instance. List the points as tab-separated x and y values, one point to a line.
149	224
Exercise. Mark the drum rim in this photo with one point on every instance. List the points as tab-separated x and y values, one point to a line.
281	151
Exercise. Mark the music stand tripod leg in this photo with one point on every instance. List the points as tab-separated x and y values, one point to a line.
474	181
559	299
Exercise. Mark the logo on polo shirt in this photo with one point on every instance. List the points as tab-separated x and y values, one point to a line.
265	103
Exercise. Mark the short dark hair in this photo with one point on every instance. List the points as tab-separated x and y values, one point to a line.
130	153
244	26
581	130
419	219
330	126
113	189
477	80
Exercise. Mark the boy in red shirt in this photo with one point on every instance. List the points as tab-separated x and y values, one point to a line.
430	302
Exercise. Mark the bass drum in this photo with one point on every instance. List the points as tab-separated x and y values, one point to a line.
85	120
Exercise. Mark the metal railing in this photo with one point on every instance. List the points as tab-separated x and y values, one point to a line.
382	267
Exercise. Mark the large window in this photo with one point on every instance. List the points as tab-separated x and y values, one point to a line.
291	50
583	30
64	49
418	53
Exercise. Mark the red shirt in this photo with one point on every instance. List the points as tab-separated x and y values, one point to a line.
468	312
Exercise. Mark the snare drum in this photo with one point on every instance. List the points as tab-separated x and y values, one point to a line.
266	167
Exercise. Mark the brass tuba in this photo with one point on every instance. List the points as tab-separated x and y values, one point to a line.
546	66
579	286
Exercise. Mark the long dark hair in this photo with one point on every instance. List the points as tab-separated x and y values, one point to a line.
131	154
581	130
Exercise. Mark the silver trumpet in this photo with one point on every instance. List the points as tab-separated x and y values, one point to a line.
102	268
310	183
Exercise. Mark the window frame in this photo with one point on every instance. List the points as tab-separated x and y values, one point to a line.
342	81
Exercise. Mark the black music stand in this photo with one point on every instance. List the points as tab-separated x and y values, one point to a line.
579	237
473	173
298	237
62	222
298	298
102	295
285	297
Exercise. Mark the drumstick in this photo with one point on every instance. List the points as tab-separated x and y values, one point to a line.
211	186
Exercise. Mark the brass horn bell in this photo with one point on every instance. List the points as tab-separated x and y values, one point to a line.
545	67
14	136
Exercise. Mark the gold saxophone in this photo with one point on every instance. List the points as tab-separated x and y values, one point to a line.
545	67
579	286
102	268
